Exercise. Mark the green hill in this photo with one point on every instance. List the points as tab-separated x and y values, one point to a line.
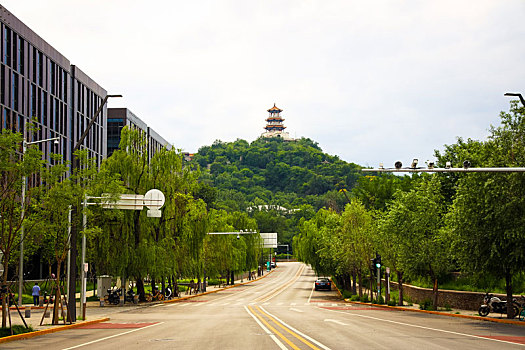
297	174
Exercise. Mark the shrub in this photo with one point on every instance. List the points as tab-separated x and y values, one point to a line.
354	298
17	329
364	298
347	294
426	305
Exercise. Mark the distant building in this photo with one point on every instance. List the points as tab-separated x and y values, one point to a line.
274	125
118	118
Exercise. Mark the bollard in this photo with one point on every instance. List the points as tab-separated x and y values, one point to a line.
28	312
101	299
40	301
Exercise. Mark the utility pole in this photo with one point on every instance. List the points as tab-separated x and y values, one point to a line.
72	305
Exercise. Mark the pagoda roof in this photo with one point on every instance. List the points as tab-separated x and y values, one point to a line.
275	109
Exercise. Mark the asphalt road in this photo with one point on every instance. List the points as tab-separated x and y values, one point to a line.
281	311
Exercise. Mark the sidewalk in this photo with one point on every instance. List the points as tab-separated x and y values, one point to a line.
470	314
94	311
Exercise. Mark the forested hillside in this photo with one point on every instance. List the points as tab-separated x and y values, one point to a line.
239	176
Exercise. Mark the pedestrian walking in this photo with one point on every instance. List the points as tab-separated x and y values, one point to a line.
36	293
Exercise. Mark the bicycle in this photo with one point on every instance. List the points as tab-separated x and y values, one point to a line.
157	295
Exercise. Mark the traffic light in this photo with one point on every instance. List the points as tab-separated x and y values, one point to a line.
377	261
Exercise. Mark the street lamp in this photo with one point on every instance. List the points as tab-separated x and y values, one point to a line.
71	290
24	185
516	94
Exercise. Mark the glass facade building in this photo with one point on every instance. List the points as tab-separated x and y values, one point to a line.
39	85
118	118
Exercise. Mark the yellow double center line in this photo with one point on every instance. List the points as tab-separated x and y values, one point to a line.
280	289
260	313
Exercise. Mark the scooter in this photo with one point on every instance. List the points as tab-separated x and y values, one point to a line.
130	297
496	305
113	296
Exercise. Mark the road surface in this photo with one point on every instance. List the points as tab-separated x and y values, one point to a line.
281	311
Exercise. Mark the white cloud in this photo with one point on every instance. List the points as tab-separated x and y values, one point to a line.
375	81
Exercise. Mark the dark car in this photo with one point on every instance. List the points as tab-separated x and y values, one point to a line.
323	283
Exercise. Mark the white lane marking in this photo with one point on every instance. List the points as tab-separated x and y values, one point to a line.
197	304
157	305
113	336
185	304
266	304
335	304
296	331
252	303
423	327
277	341
335	321
311	292
278	304
296	310
293	304
225	304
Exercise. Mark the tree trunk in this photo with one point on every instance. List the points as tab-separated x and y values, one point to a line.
354	279
400	286
57	295
140	288
163	285
360	277
347	281
153	286
4	296
508	288
435	294
371	287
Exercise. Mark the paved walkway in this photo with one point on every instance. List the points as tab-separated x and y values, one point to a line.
93	310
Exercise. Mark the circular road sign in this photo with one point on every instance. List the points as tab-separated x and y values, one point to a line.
154	199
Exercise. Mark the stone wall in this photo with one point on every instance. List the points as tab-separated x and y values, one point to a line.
452	298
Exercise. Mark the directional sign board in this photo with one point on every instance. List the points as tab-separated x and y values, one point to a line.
126	201
269	239
153	199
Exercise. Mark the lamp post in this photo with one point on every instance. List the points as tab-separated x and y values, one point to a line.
71	290
24	185
517	95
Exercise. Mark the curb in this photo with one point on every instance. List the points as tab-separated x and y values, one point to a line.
216	290
478	318
50	330
399	308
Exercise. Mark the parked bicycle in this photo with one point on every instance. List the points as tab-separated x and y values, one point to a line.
155	295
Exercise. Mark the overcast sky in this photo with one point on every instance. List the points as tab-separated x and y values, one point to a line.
370	81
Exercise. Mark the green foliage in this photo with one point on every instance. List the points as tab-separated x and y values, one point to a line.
426	305
17	329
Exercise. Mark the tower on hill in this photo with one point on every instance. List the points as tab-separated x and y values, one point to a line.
274	125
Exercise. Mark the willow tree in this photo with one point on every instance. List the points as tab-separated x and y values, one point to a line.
155	247
357	241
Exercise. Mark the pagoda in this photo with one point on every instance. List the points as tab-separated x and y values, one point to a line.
274	124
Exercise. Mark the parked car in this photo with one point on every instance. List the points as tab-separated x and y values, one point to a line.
323	283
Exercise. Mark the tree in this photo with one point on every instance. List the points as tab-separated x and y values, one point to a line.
486	220
13	167
413	228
